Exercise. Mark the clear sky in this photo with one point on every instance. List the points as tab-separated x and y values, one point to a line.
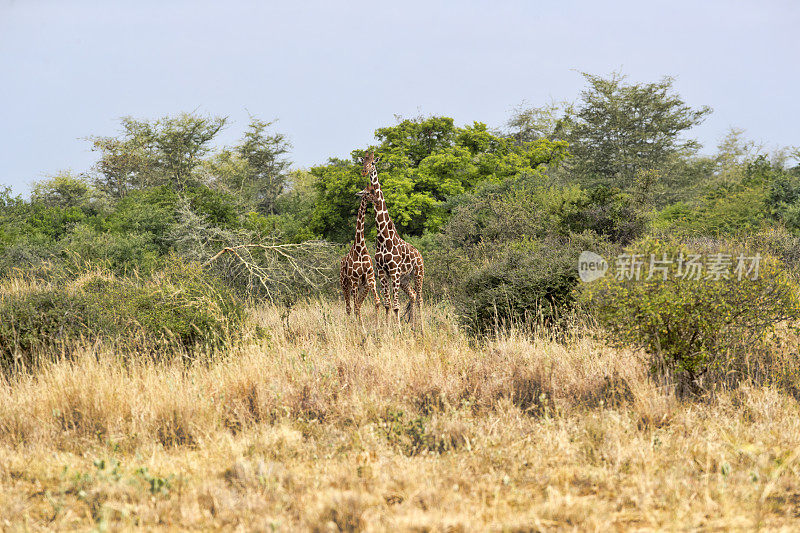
333	72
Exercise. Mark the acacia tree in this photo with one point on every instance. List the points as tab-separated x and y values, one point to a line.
619	132
127	162
181	142
530	123
167	151
265	177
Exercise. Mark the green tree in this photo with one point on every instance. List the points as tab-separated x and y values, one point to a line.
619	131
425	161
167	151
706	327
531	123
65	190
257	168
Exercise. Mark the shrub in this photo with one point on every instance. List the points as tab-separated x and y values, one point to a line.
780	242
179	307
188	306
523	282
608	212
725	210
120	252
700	331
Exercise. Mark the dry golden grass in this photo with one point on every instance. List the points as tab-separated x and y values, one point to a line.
320	427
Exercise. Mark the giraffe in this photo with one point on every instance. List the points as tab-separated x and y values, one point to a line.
398	262
356	274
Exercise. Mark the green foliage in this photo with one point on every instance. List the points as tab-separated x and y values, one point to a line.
57	205
702	330
780	242
171	152
256	169
619	129
180	307
424	162
118	251
726	210
134	233
219	208
417	435
532	207
607	212
523	282
266	179
65	191
783	195
335	210
158	486
294	207
167	152
508	255
742	197
188	307
532	123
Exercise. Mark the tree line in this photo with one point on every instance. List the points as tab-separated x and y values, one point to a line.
500	213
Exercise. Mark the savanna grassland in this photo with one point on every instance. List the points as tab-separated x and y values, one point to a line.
175	354
311	424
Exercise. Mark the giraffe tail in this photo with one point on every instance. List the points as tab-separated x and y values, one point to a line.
408	310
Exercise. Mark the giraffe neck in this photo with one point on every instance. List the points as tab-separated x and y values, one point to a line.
362	209
383	221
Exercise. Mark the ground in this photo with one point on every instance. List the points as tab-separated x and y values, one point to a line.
315	425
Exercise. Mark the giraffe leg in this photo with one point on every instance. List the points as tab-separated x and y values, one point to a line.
412	297
362	292
395	297
378	304
372	288
385	291
356	306
420	274
346	292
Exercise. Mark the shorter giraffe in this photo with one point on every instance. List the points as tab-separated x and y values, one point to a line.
356	274
398	262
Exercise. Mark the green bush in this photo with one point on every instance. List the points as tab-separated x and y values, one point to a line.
699	331
523	283
781	243
177	308
726	210
188	306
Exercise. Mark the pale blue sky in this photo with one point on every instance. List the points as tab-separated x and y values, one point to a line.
333	72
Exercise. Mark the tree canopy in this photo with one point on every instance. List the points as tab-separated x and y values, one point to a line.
424	162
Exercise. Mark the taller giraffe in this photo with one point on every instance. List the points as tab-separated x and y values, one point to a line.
356	275
398	263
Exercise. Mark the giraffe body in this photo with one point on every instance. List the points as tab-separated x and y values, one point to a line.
357	275
399	264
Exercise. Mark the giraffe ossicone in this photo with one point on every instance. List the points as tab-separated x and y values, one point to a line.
398	263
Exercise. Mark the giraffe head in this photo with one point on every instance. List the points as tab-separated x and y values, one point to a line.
370	193
368	163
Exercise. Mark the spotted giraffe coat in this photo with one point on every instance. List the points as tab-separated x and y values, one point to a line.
357	275
398	263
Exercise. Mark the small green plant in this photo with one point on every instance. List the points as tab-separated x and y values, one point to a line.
408	435
420	434
110	468
158	485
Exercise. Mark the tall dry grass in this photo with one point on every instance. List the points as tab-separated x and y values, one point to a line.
313	424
